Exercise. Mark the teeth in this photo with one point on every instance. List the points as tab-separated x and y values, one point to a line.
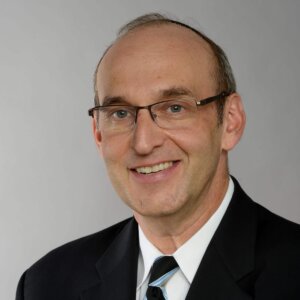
155	168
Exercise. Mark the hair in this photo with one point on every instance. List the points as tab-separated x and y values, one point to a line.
223	74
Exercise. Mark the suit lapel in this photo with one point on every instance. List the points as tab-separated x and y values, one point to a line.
229	257
117	268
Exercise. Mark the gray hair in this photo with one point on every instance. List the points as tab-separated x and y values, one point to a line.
223	72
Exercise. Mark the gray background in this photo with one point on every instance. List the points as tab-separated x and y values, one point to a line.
53	186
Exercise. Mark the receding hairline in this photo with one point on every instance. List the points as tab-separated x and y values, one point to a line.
160	23
122	33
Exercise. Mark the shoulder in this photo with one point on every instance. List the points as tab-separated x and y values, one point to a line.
275	226
277	256
273	245
68	268
277	238
270	228
87	249
273	233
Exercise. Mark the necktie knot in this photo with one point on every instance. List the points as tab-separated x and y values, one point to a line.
162	270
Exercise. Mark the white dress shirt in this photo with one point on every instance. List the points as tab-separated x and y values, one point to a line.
188	256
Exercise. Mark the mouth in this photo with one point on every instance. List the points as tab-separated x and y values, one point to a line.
154	168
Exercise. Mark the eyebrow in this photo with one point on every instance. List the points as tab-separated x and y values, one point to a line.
163	94
114	100
175	92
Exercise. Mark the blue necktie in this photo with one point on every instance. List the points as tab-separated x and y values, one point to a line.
162	270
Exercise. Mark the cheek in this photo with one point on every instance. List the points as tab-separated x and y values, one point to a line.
114	149
197	142
114	154
201	135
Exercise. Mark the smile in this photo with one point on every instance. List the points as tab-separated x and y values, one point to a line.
154	168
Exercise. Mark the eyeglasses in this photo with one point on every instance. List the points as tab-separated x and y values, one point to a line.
169	114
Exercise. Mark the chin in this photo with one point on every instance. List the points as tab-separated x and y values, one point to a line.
156	208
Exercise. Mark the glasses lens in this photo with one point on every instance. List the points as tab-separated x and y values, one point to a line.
115	118
174	114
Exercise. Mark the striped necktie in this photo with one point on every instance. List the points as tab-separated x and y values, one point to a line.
162	270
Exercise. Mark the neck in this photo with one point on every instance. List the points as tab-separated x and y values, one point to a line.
168	233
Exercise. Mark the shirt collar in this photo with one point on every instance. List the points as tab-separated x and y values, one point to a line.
190	254
149	254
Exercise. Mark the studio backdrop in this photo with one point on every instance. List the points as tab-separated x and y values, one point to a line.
53	184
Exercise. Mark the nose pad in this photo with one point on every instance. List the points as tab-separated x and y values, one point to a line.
153	116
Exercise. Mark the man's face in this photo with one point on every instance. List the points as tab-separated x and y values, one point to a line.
142	68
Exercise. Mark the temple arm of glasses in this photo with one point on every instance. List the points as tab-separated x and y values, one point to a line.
213	98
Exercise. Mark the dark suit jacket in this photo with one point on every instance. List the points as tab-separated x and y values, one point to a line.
254	254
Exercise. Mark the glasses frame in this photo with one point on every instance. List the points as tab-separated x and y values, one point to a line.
201	102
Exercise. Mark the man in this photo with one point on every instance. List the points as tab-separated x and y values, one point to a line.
166	114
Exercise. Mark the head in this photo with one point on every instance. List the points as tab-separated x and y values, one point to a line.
163	172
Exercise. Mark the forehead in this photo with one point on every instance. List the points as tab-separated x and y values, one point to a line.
156	57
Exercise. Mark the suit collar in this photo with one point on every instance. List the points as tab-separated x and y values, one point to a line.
236	235
230	255
117	268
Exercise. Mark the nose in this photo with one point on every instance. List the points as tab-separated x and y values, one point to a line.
147	135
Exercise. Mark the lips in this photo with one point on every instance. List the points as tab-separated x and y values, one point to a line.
154	168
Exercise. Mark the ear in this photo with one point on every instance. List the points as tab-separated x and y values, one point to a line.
234	121
97	135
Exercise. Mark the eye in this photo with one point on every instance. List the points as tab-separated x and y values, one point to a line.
116	113
175	108
172	108
120	114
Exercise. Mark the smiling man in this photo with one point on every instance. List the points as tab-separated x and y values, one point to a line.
166	114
